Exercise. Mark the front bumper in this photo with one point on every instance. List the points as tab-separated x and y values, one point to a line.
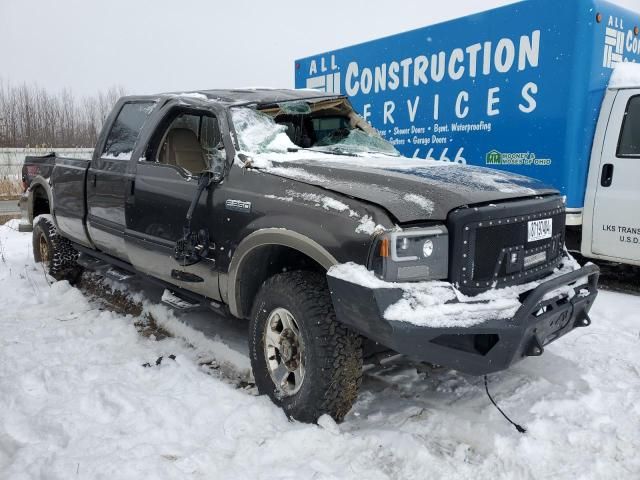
489	347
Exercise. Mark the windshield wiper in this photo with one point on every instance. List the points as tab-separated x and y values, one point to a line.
332	152
379	152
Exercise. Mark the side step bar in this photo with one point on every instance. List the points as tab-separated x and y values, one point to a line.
173	300
119	270
106	269
118	275
91	263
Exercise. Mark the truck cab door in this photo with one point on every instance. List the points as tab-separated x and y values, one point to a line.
186	143
109	179
616	216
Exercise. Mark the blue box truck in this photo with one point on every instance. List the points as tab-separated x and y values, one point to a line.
525	88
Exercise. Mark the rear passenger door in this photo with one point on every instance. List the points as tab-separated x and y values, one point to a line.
110	179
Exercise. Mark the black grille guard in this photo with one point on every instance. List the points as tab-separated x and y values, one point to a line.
465	224
488	347
532	299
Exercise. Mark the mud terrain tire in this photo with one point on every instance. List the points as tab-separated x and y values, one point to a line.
56	252
332	354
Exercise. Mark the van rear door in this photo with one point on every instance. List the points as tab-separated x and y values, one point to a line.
616	206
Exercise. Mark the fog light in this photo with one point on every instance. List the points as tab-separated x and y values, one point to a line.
535	259
427	248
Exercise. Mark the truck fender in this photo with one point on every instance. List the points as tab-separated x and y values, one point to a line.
262	237
38	182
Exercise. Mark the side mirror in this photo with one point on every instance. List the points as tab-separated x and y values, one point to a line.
208	177
216	174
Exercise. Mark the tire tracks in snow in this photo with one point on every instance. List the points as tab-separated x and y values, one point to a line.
155	321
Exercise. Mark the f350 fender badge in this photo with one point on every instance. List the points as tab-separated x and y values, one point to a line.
238	206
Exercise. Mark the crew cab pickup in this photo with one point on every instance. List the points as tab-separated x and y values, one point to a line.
286	208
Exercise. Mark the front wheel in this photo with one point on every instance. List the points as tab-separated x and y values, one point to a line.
55	252
302	357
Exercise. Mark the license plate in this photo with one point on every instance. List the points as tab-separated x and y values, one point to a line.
540	229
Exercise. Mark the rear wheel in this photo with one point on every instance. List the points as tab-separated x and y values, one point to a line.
302	357
55	252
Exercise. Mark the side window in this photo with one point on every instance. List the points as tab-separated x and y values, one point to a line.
210	135
188	122
192	142
125	130
629	145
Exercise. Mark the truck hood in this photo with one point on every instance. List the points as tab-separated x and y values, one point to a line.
411	190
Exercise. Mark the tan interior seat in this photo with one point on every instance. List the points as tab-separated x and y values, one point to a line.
183	149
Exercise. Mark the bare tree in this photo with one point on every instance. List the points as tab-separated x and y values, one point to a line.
31	116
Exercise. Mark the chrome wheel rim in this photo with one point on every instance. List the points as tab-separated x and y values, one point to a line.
284	352
43	247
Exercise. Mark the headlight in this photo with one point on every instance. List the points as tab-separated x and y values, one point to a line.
411	255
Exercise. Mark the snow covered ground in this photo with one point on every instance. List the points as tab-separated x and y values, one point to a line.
75	402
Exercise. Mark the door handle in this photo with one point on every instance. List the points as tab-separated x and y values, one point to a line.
131	193
607	175
95	179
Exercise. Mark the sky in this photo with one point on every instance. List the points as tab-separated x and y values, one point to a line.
150	46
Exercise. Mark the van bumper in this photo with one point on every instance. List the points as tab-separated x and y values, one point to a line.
488	347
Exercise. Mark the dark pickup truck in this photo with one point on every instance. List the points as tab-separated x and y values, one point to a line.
286	208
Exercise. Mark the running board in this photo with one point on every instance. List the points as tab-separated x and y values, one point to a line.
179	303
100	266
118	275
98	261
91	263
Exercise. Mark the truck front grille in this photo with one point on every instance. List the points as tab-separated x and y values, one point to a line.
490	246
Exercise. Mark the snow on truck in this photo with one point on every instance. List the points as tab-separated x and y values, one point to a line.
525	88
286	208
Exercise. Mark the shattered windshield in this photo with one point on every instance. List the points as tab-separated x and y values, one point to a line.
355	141
326	127
258	133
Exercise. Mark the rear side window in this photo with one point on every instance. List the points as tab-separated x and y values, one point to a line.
629	145
125	130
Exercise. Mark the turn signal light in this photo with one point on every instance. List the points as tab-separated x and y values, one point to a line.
385	247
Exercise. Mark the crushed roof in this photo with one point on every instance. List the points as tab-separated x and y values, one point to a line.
258	96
